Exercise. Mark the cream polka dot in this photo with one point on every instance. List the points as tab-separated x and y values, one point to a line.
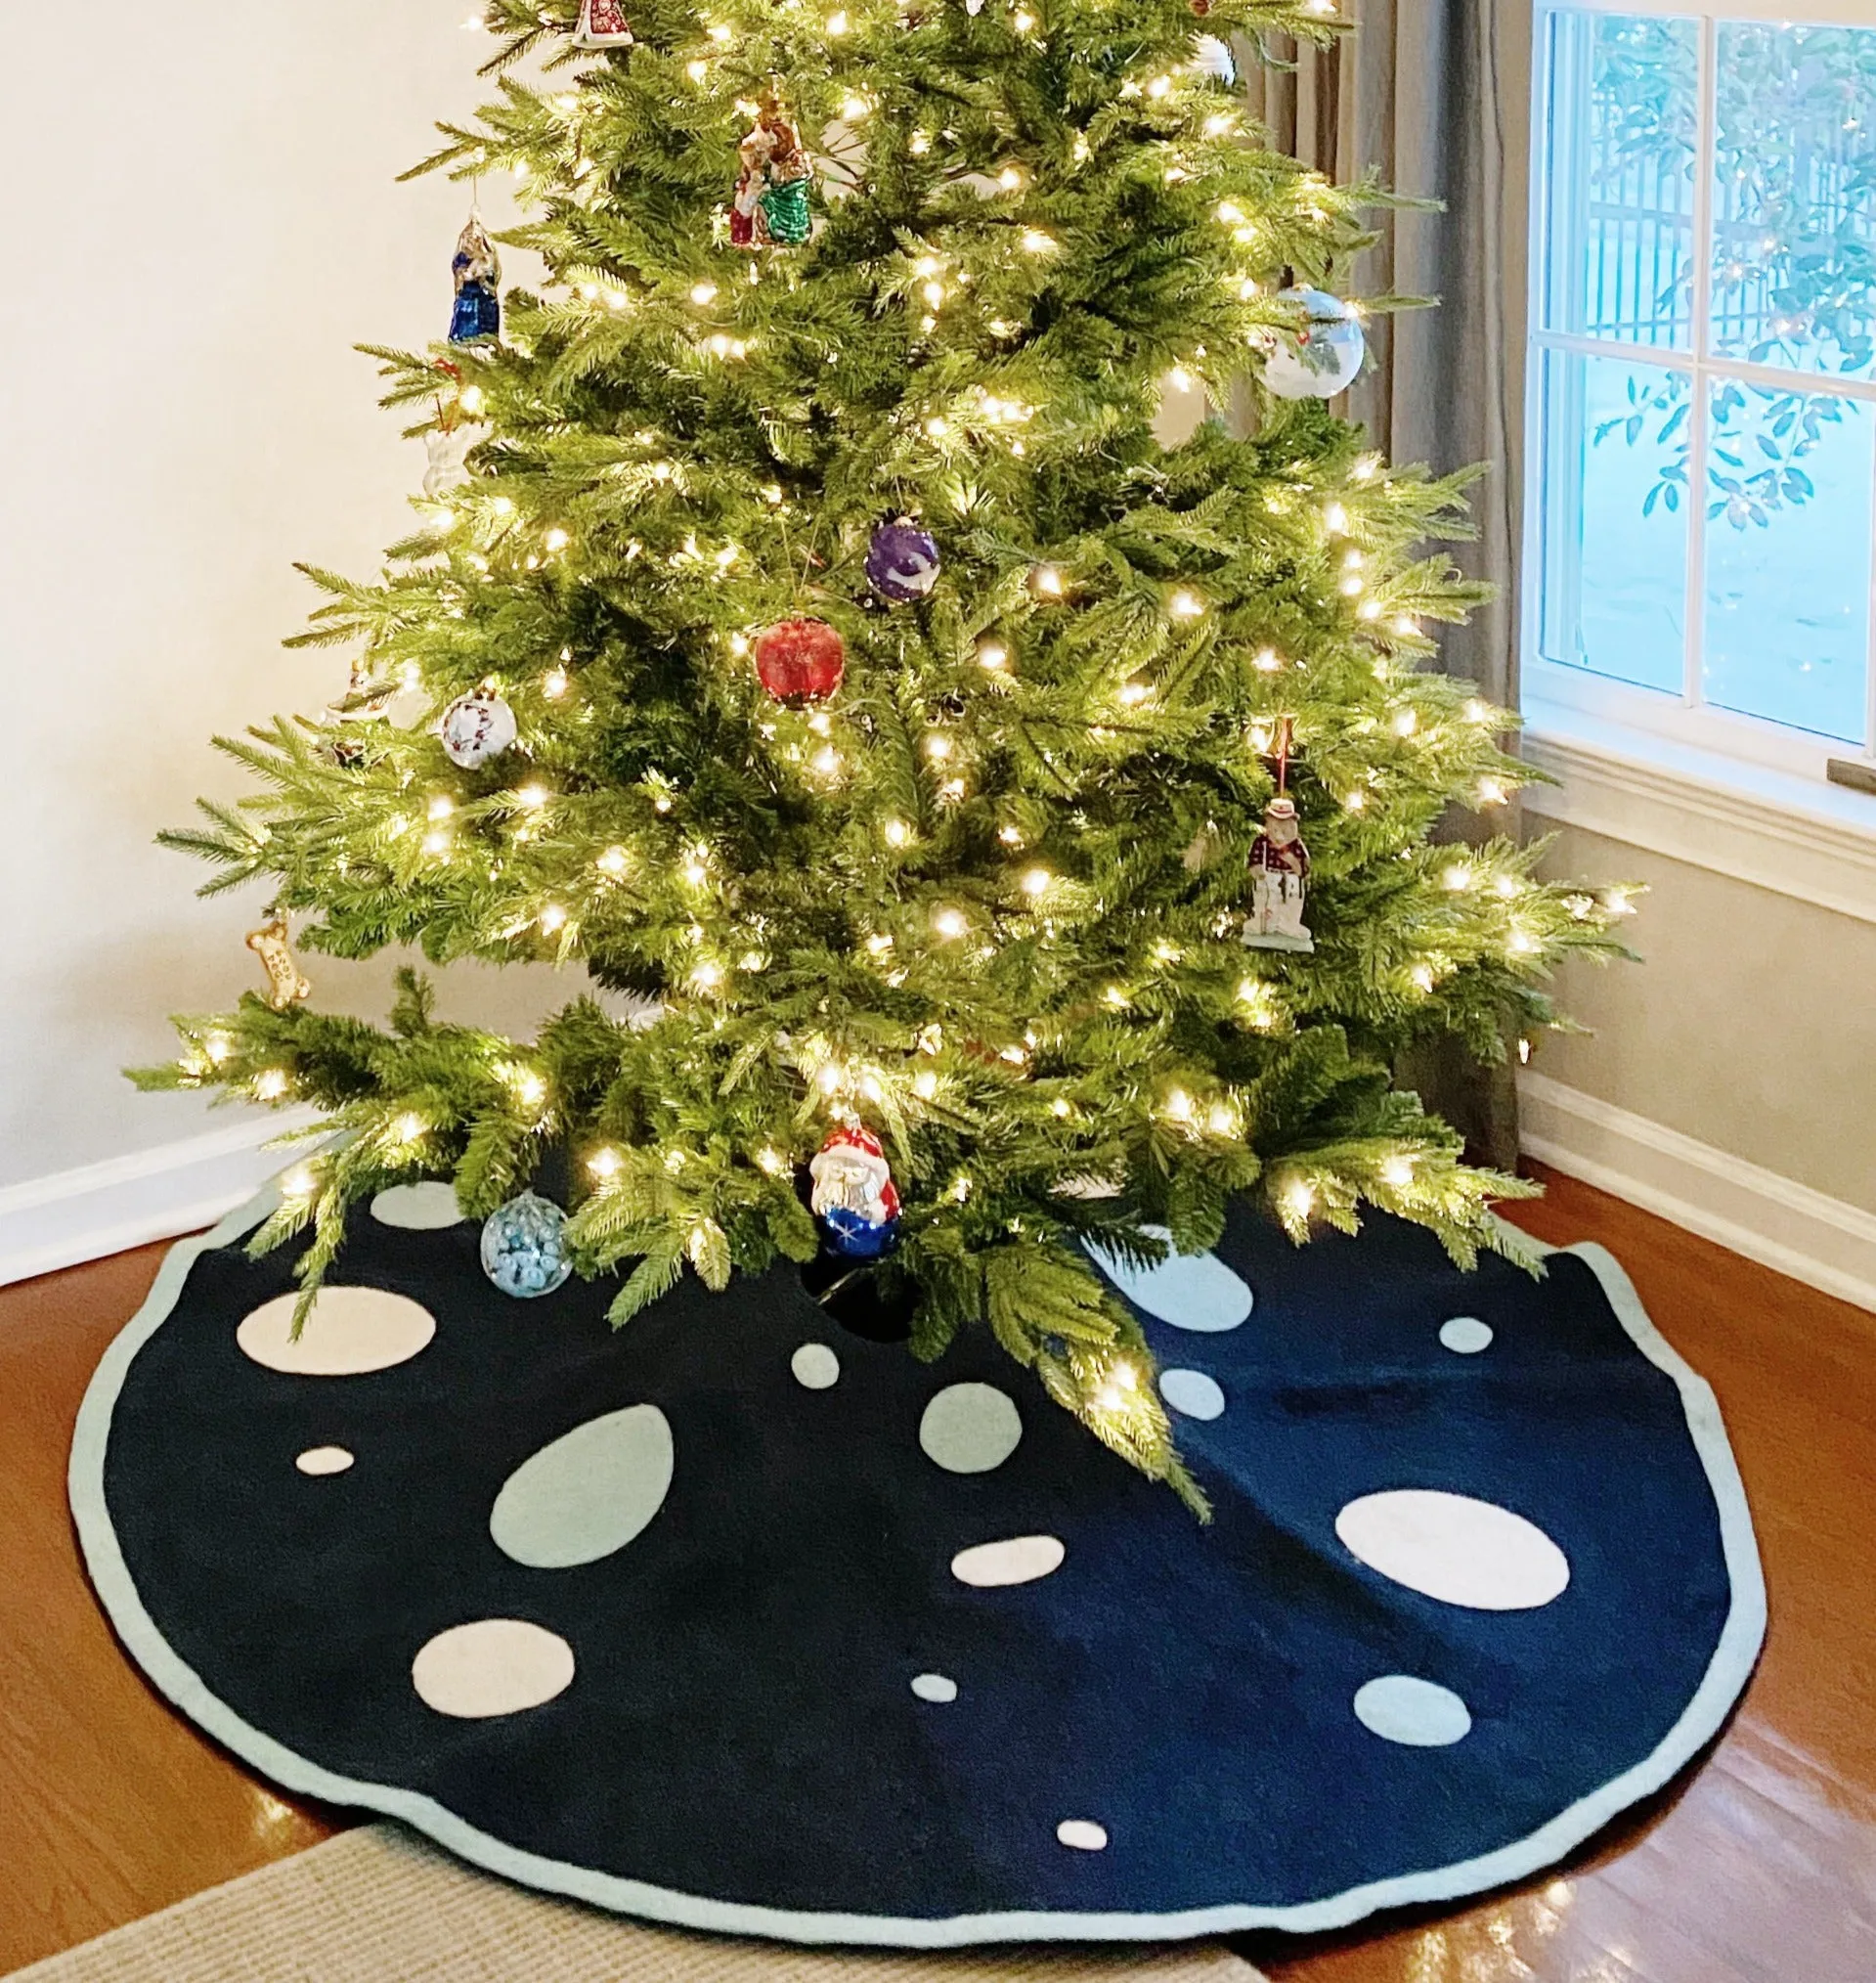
1083	1835
588	1492
816	1366
350	1332
1417	1713
1455	1548
492	1667
935	1686
1021	1560
1465	1335
316	1460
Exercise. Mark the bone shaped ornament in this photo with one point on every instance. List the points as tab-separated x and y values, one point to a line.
287	985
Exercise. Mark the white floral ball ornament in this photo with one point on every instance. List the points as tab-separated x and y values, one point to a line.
1323	356
477	728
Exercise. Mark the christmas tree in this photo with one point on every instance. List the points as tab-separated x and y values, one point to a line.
1023	823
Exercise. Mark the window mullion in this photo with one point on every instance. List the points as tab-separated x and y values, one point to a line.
1694	674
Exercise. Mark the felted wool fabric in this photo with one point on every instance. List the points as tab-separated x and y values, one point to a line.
736	1619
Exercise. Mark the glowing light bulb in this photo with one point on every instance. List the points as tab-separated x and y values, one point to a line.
1335	519
708	975
1011	836
531	798
1422	977
696	71
1267	661
836	24
1059	1107
925	1084
553	917
897	832
1047	580
553	683
1356	801
1456	878
1397	1171
1221	1119
938	746
950	923
992	655
1036	881
1617	902
436	841
1491	792
1036	243
300	1183
771	1161
1405	722
612	862
556	539
270	1084
1301	1198
1185	605
854	108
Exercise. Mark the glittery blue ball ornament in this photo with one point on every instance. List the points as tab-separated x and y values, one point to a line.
855	1236
524	1248
901	561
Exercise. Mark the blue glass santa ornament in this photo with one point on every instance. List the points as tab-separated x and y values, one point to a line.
478	275
903	561
853	1196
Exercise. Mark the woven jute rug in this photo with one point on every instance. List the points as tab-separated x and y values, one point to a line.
378	1906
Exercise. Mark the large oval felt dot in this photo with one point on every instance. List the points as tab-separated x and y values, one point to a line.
492	1667
349	1332
417	1207
816	1366
1465	1335
1399	1709
1083	1835
318	1460
586	1493
1192	1394
969	1428
1453	1548
1191	1291
1018	1561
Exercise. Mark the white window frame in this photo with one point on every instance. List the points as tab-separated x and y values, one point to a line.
1583	710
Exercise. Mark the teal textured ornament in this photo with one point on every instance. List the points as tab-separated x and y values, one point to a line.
524	1249
785	209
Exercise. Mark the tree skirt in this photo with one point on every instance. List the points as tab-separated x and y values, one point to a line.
737	1619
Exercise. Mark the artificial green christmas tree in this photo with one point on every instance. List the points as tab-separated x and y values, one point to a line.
821	647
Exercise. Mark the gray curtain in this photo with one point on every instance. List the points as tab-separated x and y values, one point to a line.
1434	96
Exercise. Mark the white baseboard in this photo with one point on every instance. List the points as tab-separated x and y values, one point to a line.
1784	1225
100	1208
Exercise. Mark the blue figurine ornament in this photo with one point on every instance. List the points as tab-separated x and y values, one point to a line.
478	276
524	1247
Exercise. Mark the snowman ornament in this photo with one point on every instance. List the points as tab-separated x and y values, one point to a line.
853	1195
1278	882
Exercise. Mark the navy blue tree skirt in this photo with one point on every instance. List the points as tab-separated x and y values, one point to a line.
737	1619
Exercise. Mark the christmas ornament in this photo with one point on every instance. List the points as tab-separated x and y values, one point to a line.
800	660
769	209
478	272
1212	58
477	728
356	708
524	1249
1278	869
853	1196
1321	359
602	24
446	449
901	561
285	986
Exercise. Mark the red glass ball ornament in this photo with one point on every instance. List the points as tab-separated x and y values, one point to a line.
800	660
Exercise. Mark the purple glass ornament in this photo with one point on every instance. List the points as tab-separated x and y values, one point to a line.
903	561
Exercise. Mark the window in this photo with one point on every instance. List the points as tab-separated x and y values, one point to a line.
1702	374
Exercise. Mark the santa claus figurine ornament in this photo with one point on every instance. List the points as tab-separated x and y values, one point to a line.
602	24
853	1196
800	660
1278	869
769	207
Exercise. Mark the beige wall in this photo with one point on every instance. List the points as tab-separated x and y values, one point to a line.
1751	1026
199	223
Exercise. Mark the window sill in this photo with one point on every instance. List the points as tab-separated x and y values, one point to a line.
1792	835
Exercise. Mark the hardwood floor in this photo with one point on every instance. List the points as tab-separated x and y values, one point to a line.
1759	1867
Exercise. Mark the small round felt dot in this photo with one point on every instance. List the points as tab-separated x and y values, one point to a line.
492	1667
1465	1335
1415	1714
324	1460
936	1687
417	1207
970	1429
816	1366
1082	1833
1192	1394
1020	1559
